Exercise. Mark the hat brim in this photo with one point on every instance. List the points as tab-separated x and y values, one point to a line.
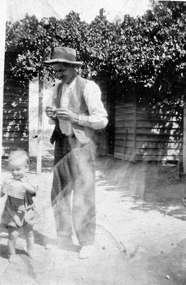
55	60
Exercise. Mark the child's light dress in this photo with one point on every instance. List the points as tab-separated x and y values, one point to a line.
17	203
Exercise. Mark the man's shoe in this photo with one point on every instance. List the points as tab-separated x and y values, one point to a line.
86	251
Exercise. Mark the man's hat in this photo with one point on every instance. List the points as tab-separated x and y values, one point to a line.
63	54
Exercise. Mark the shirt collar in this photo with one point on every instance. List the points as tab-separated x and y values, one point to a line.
71	83
70	80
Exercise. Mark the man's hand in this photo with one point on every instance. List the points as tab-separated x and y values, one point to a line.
66	115
51	112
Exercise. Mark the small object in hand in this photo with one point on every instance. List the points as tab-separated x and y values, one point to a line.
61	111
51	111
63	114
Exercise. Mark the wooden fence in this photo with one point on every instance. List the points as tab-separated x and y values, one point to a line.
15	115
143	136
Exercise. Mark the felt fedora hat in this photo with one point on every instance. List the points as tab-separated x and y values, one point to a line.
63	54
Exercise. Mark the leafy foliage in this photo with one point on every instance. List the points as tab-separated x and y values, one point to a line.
148	51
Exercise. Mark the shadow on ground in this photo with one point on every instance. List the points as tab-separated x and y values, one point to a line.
147	185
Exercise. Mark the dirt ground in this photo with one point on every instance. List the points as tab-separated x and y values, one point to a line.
140	239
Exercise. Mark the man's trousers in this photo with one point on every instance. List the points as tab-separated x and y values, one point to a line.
73	189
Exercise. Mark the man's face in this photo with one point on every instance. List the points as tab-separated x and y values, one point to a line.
63	71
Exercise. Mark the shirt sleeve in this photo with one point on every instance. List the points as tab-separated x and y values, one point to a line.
97	118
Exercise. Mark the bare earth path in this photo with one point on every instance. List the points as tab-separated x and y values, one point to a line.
141	235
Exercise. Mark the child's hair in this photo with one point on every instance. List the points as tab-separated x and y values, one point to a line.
18	155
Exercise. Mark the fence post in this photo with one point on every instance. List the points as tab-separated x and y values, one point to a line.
134	127
40	126
184	134
2	60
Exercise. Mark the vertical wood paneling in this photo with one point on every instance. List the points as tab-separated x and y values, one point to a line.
15	115
148	138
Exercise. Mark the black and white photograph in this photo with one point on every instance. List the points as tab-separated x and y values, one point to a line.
93	142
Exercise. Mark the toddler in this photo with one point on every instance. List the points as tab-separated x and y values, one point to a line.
20	193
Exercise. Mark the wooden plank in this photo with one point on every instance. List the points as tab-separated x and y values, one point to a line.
18	128
124	102
184	135
159	136
40	127
124	108
150	137
120	150
147	131
130	157
125	119
144	115
157	128
128	119
135	124
156	125
8	109
146	150
15	137
16	142
155	120
149	144
124	115
120	139
149	157
121	130
14	121
124	124
2	64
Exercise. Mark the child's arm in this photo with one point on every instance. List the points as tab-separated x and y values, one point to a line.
28	187
1	189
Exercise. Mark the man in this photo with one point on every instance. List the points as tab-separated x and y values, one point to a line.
77	111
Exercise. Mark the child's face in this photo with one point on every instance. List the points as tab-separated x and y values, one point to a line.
18	169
